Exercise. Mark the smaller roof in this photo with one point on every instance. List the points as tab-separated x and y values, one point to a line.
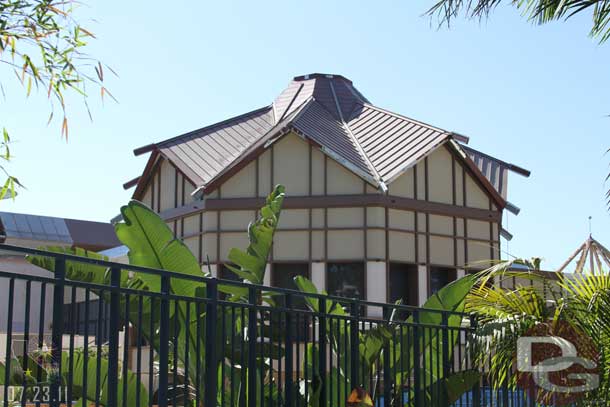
598	258
70	232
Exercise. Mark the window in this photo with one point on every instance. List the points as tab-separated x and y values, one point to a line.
345	279
440	277
226	274
283	274
403	283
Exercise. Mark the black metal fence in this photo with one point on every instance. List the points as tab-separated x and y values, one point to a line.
108	344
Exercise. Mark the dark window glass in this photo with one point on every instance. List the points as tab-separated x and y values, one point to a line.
283	274
346	279
403	283
440	277
226	274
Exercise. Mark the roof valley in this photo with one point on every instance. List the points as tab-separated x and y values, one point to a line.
368	162
376	144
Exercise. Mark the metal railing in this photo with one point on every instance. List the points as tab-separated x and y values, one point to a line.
108	344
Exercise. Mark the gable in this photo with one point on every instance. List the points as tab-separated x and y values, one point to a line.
296	164
165	187
445	174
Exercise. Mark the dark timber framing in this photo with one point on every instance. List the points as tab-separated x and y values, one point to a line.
336	201
419	206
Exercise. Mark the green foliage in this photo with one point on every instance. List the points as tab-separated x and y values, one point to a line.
581	301
39	360
151	244
538	11
250	264
42	45
374	340
130	381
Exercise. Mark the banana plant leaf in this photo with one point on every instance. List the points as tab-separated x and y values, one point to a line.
250	264
128	382
16	373
447	391
152	244
450	298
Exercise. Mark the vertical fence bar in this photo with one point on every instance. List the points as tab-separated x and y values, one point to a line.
58	324
355	344
446	360
252	347
288	386
476	390
211	357
322	350
9	339
163	340
387	373
113	337
26	335
416	361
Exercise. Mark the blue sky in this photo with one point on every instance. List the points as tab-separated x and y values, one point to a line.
537	96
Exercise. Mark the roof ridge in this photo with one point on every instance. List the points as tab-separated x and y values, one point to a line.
285	112
217	124
355	141
401	116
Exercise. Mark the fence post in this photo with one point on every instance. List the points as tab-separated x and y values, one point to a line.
57	328
288	343
211	356
387	372
445	347
416	360
113	340
164	340
322	350
355	343
252	348
476	390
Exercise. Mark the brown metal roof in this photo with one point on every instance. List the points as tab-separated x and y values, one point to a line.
318	124
204	153
392	142
318	87
328	111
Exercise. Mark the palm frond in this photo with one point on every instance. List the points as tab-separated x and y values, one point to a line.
537	11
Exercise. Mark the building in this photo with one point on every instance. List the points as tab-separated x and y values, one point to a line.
35	231
379	206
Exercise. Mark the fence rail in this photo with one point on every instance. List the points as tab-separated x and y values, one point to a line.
99	341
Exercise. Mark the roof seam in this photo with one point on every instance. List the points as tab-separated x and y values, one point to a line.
380	109
215	125
368	162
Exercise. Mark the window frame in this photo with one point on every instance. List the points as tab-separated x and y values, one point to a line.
452	277
364	275
417	282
